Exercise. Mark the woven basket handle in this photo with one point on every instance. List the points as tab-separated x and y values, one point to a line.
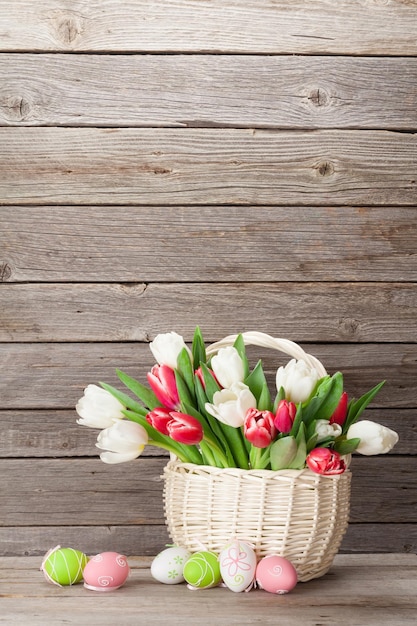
266	341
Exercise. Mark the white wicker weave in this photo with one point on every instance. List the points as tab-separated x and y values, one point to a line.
297	514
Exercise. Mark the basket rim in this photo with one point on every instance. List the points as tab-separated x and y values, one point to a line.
192	468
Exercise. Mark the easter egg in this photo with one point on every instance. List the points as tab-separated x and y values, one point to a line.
276	574
237	565
168	566
64	566
202	570
106	571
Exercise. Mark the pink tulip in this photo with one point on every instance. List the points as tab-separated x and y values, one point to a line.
184	428
159	419
199	373
340	413
285	415
325	461
259	428
162	382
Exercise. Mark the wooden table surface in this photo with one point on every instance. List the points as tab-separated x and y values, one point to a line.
359	590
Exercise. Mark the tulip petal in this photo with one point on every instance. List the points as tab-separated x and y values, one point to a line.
114	457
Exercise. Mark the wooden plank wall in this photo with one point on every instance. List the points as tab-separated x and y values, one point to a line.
239	165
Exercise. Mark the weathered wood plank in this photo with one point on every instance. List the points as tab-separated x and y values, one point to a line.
134	244
151	539
53	376
211	25
55	492
206	166
359	312
46	433
359	589
184	90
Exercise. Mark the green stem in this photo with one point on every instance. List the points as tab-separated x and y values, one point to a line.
236	445
218	451
255	457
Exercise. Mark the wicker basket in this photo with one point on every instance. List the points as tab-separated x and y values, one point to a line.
297	514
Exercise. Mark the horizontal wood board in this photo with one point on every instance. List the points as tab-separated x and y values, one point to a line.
206	166
49	433
53	376
244	165
382	27
359	589
56	492
223	243
88	312
199	90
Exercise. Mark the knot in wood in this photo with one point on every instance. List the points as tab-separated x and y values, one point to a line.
325	168
5	272
68	27
319	97
349	328
17	108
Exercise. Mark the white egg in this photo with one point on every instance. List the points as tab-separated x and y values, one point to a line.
168	566
238	565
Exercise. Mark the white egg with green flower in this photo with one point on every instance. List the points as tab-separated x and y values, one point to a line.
168	566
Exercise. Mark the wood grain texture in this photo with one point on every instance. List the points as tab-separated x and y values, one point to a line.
151	539
53	376
208	90
365	27
249	244
206	166
353	312
359	589
55	433
53	492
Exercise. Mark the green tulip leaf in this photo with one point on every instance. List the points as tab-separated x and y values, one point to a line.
282	452
198	348
143	393
346	446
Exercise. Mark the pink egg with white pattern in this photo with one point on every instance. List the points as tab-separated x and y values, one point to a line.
276	574
106	571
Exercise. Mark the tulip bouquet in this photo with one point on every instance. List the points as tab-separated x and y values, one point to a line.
218	411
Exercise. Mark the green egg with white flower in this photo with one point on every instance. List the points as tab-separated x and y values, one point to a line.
202	570
64	566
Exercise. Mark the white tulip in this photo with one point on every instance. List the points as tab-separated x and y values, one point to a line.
124	441
375	438
98	408
231	405
324	430
228	367
298	380
166	348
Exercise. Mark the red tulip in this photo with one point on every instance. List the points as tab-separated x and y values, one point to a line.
161	379
285	415
325	461
184	428
340	413
159	419
259	428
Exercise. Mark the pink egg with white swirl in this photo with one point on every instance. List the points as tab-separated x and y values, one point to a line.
276	574
106	571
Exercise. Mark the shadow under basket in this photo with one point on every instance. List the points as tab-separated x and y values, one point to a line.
297	514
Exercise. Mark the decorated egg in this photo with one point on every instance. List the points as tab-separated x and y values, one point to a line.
106	571
202	570
63	566
237	565
276	574
168	566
